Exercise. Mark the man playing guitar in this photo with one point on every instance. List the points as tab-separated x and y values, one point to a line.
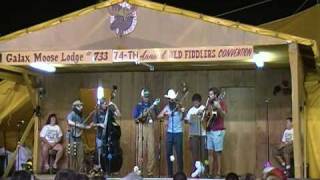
76	125
144	114
216	110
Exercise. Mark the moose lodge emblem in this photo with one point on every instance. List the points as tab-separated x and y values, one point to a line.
123	18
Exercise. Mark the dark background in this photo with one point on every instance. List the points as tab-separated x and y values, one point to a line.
16	15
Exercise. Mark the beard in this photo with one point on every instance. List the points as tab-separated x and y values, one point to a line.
78	111
172	105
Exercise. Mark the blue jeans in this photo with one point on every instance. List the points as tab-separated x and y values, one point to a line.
174	140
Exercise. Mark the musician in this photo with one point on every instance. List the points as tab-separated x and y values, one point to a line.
99	119
174	126
76	124
215	131
197	133
50	136
146	130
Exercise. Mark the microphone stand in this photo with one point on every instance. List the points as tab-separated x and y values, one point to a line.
5	149
205	164
69	148
137	143
159	147
172	115
201	143
18	145
75	148
142	147
267	101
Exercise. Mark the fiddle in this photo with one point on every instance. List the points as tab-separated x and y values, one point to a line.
185	91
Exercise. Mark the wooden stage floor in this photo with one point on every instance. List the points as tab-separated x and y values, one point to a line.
51	177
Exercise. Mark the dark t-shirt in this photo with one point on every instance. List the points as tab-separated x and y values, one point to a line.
218	121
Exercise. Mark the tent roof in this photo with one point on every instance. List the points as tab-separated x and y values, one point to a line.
163	8
304	24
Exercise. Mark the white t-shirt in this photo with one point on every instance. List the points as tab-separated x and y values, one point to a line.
51	133
287	135
194	118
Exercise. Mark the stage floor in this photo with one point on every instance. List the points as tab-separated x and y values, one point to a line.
51	177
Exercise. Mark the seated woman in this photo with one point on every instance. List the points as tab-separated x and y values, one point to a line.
51	135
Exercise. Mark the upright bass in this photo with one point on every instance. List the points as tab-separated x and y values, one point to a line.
111	153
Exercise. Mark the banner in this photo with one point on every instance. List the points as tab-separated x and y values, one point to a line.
197	54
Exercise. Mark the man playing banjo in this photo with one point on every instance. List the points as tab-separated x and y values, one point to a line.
76	126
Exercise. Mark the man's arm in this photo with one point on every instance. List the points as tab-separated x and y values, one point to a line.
135	112
187	117
78	125
220	108
163	113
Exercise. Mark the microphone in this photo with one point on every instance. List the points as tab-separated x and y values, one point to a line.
172	158
20	123
267	100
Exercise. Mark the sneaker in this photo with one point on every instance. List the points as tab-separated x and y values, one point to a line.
217	177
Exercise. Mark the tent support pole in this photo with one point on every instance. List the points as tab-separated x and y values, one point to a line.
296	67
35	101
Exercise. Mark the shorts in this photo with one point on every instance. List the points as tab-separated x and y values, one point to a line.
215	140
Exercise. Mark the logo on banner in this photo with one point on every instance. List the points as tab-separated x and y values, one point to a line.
123	19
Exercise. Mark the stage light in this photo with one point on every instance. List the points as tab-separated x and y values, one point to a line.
43	67
260	57
100	93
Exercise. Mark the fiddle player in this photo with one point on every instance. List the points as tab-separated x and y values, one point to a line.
174	127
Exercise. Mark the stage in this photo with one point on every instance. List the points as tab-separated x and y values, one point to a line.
51	177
